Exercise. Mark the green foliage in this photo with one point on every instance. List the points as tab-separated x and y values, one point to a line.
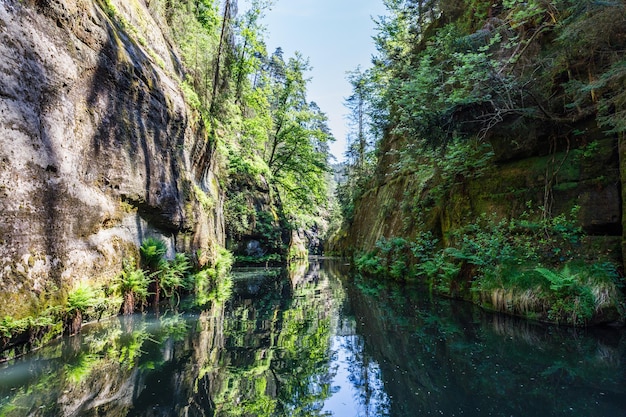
388	260
152	252
10	326
369	264
464	160
38	330
424	245
172	274
238	215
268	229
109	9
440	272
190	95
436	98
276	137
205	200
573	300
195	31
211	287
532	260
242	219
247	167
612	107
362	134
80	299
223	263
133	280
81	367
506	255
272	258
491	242
296	138
446	71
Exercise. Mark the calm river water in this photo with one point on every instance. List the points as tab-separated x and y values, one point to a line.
315	342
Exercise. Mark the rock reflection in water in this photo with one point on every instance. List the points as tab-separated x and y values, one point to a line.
312	341
444	357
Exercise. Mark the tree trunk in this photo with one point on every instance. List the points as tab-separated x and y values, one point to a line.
128	304
73	323
220	48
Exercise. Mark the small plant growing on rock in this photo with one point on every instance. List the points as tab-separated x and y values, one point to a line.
132	284
79	301
152	252
172	274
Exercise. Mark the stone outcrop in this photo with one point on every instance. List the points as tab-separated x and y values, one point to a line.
98	148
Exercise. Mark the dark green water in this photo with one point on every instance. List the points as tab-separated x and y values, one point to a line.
315	342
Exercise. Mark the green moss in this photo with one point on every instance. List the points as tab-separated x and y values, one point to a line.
18	304
191	97
205	200
157	59
109	8
566	186
126	207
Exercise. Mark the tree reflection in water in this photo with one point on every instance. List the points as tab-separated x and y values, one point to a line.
263	352
313	341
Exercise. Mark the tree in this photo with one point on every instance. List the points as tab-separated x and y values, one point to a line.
254	103
297	147
359	105
250	46
225	51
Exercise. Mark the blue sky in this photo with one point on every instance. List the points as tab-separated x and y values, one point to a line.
336	36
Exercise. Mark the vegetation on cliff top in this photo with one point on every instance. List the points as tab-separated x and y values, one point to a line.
456	71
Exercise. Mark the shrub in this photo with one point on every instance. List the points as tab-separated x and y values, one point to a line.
440	272
388	259
272	258
81	299
223	263
369	264
239	216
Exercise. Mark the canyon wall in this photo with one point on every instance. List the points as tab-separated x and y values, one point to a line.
573	177
98	148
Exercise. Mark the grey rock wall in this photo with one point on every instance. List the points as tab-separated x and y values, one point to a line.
97	148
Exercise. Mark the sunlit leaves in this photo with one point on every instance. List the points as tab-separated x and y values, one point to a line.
297	148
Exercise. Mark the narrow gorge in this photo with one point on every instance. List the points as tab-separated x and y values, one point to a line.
179	237
486	161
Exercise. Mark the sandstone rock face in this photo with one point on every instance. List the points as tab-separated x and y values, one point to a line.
98	148
590	182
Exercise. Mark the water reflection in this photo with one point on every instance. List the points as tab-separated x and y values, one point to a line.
442	357
312	341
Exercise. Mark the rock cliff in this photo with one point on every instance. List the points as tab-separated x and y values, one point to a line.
98	148
573	177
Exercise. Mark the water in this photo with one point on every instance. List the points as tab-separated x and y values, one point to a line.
315	342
